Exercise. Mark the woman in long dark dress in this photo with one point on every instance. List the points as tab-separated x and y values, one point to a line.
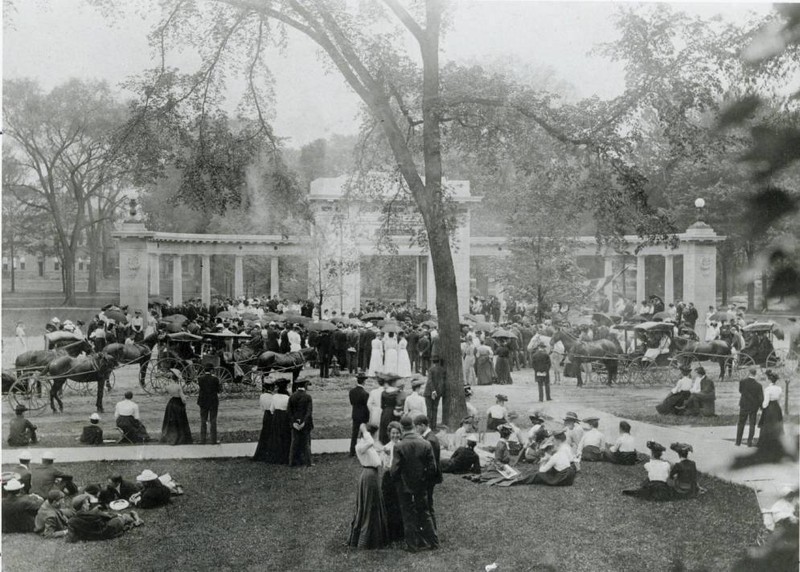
502	366
175	429
683	475
368	528
265	402
771	422
394	518
280	437
389	401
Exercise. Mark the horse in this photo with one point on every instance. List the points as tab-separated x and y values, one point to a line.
40	358
715	350
269	361
84	369
604	350
134	353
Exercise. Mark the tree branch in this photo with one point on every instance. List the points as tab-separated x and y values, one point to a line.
407	20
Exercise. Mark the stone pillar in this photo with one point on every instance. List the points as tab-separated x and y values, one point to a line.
608	273
238	276
352	290
669	279
422	280
133	265
430	291
205	279
155	275
274	287
700	269
177	280
641	295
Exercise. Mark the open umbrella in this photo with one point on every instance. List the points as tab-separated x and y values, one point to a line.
374	316
719	316
483	327
225	315
430	323
272	317
171	327
250	316
341	320
638	319
322	326
662	316
602	319
117	316
504	334
392	327
296	319
175	318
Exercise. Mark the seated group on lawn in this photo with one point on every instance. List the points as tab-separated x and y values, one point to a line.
45	500
690	396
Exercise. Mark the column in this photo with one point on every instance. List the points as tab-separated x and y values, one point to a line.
205	279
669	279
608	277
238	276
155	274
274	287
640	284
422	281
177	280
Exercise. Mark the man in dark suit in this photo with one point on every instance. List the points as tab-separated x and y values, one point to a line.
358	400
434	391
340	346
365	347
424	350
324	353
352	349
752	394
413	354
541	367
413	465
209	387
285	345
421	425
47	476
273	343
690	315
300	411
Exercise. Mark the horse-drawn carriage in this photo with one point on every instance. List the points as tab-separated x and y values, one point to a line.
759	340
652	359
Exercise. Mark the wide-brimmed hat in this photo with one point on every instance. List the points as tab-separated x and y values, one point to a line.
361	374
655	446
535	414
94	417
589	419
13	485
571	416
472	438
501	397
78	501
146	475
417	383
48	456
505	427
467	420
24	455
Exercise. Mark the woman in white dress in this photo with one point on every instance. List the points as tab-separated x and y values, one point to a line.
390	353
468	356
376	358
403	361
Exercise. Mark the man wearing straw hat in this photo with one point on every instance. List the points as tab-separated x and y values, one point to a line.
19	509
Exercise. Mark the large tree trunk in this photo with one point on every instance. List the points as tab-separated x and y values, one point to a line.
93	236
13	278
68	272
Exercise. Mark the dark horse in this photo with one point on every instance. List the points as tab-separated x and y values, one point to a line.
716	350
604	350
293	361
84	369
40	358
137	353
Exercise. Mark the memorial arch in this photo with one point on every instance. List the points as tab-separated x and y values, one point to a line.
351	224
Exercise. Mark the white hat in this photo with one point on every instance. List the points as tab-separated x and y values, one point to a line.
472	437
49	455
56	320
14	485
147	475
25	455
68	323
94	417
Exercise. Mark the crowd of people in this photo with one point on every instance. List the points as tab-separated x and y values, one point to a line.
45	499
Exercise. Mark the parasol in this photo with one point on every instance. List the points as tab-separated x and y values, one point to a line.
225	315
662	316
117	316
392	327
374	316
322	326
252	316
504	334
720	316
602	319
483	327
175	319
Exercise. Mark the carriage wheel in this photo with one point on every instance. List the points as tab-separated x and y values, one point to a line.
81	388
777	358
641	371
32	391
737	366
251	381
189	374
229	385
161	375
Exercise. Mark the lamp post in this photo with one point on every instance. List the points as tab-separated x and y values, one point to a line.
700	205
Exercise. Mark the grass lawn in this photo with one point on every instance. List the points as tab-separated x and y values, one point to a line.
239	515
722	420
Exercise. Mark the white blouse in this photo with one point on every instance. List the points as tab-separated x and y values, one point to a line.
366	453
279	401
771	393
657	470
265	401
624	444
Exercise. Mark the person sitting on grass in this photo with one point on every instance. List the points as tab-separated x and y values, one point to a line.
461	434
557	469
593	442
623	451
683	475
93	523
127	414
48	476
19	509
517	439
533	452
21	431
464	459
674	402
703	396
92	433
51	520
472	411
497	414
655	486
153	494
574	431
122	489
502	457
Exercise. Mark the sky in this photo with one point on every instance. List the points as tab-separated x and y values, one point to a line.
55	40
